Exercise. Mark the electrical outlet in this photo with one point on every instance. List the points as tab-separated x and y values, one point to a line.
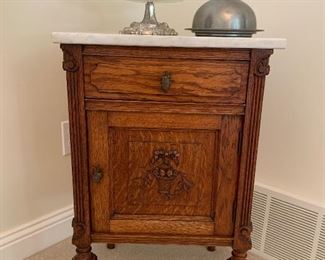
65	133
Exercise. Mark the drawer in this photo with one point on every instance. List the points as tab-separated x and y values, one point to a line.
155	79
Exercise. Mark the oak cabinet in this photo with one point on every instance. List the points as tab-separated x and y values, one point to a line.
164	144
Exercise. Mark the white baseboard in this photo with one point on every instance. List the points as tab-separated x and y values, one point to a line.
37	235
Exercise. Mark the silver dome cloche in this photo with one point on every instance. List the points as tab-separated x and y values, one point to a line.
225	18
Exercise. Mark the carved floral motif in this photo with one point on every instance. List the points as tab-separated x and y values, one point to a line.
69	62
245	237
163	169
243	243
263	67
78	230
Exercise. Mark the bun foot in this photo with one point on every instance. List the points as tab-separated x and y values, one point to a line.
211	248
237	258
110	246
236	255
82	255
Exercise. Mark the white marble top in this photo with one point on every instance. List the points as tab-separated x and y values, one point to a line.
168	41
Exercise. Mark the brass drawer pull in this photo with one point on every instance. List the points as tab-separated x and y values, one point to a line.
98	175
166	81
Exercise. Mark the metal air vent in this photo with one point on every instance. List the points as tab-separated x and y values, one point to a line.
290	231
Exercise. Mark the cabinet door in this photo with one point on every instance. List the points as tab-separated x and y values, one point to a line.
163	173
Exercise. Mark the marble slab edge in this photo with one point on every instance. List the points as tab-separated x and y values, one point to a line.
168	41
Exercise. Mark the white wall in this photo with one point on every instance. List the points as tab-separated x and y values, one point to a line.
292	144
35	179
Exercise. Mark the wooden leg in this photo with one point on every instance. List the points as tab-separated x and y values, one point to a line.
82	241
237	255
84	254
211	248
110	246
242	243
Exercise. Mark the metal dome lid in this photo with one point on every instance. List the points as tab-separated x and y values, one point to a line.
225	18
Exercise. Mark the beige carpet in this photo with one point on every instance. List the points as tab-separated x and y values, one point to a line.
65	250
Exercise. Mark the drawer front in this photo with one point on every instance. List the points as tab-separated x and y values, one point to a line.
165	79
163	174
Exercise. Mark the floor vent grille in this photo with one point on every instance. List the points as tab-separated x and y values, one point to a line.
290	231
258	217
286	228
320	255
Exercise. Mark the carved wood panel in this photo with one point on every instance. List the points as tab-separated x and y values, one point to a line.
173	184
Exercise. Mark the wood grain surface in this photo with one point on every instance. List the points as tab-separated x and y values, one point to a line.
168	53
133	138
165	107
191	80
161	239
137	149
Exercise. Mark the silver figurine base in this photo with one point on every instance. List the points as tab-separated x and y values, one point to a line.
149	24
